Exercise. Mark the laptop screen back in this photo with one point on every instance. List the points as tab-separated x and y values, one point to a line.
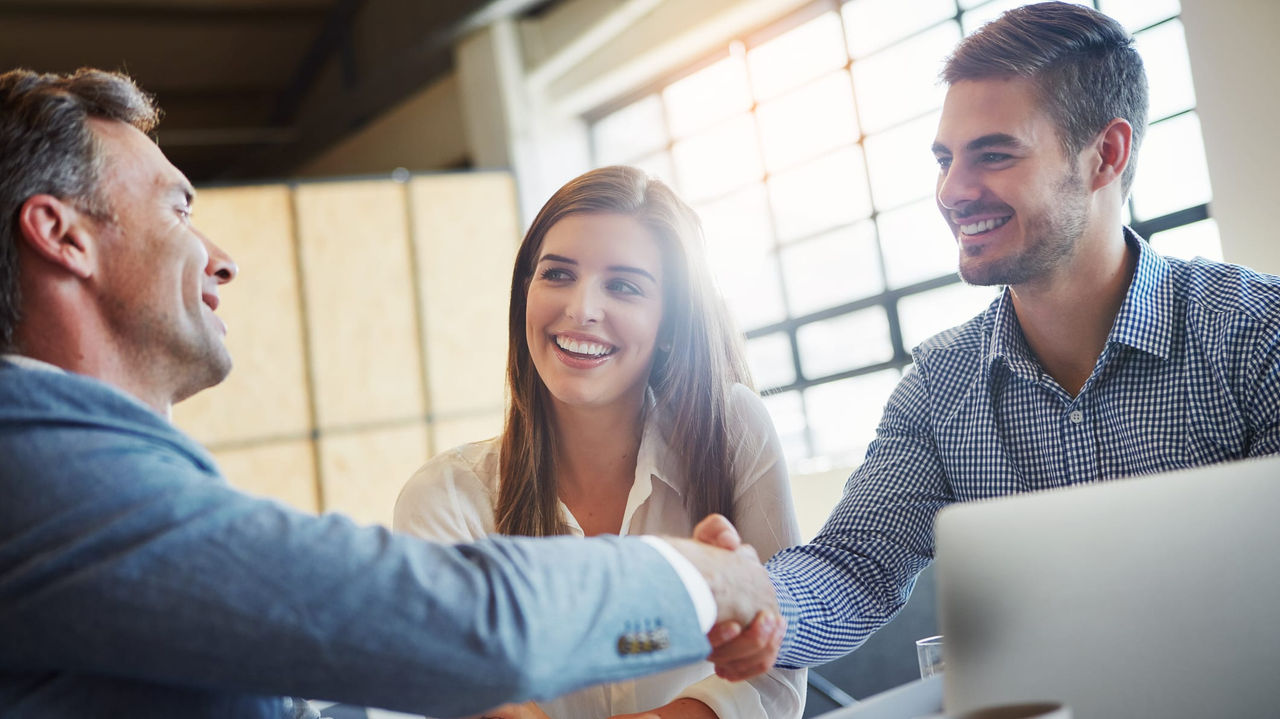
1149	597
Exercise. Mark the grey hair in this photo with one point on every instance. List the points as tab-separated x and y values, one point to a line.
47	147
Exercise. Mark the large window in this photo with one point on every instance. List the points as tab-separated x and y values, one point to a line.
805	149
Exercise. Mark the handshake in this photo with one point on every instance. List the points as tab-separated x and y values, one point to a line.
749	629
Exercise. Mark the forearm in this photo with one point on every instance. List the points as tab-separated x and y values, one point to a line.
189	583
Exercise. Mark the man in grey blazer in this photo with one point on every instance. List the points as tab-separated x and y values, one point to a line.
135	582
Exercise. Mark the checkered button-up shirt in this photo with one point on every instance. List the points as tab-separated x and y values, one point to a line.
1190	375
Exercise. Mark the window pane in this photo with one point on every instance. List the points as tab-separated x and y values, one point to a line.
718	160
843	343
770	360
739	250
1172	173
796	56
630	132
753	294
1137	14
1198	239
820	195
843	415
659	165
707	96
736	226
1164	54
805	123
873	24
928	313
832	269
902	82
990	11
903	168
787	412
917	244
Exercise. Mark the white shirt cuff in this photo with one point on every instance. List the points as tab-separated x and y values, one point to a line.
704	603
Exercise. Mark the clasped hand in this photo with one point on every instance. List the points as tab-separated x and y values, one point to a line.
749	628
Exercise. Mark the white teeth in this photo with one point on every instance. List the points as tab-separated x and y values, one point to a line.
983	226
583	348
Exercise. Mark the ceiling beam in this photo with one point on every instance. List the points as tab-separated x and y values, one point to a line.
333	35
176	13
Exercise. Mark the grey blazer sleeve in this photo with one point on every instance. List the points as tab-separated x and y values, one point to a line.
123	554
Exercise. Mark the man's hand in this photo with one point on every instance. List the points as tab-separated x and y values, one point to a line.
744	597
731	569
528	710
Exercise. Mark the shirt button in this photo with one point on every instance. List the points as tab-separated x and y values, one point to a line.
1076	416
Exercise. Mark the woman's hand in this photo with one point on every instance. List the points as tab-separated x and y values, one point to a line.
528	710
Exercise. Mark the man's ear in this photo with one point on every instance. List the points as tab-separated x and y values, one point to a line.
58	232
1111	152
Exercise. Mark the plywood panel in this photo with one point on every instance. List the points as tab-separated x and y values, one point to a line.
364	471
266	394
466	234
360	302
284	471
449	433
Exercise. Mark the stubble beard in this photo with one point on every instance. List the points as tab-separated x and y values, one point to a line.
1053	237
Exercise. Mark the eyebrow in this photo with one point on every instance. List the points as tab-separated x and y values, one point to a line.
185	190
612	268
995	139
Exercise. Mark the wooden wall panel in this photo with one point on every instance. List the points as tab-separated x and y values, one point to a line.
266	393
360	302
364	471
465	233
325	409
285	471
448	433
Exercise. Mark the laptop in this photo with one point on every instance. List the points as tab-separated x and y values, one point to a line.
1150	597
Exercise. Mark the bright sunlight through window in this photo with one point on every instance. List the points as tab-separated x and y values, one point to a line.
807	156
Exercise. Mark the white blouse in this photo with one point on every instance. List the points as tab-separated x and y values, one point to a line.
451	499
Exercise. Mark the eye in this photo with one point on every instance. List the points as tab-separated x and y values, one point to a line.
994	158
944	162
555	274
625	287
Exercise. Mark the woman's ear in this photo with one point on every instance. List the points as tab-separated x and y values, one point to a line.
59	233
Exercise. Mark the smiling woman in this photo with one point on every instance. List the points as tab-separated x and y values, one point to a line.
630	413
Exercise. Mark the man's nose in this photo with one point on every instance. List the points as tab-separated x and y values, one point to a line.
957	187
220	263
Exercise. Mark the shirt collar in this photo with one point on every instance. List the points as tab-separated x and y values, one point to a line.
1144	321
31	363
1007	343
655	458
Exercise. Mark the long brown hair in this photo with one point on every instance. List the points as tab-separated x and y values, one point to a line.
690	381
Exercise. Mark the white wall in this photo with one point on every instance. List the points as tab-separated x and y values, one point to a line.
1234	60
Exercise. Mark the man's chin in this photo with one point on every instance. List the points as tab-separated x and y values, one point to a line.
989	273
215	369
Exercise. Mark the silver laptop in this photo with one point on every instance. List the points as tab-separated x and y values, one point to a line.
1149	597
